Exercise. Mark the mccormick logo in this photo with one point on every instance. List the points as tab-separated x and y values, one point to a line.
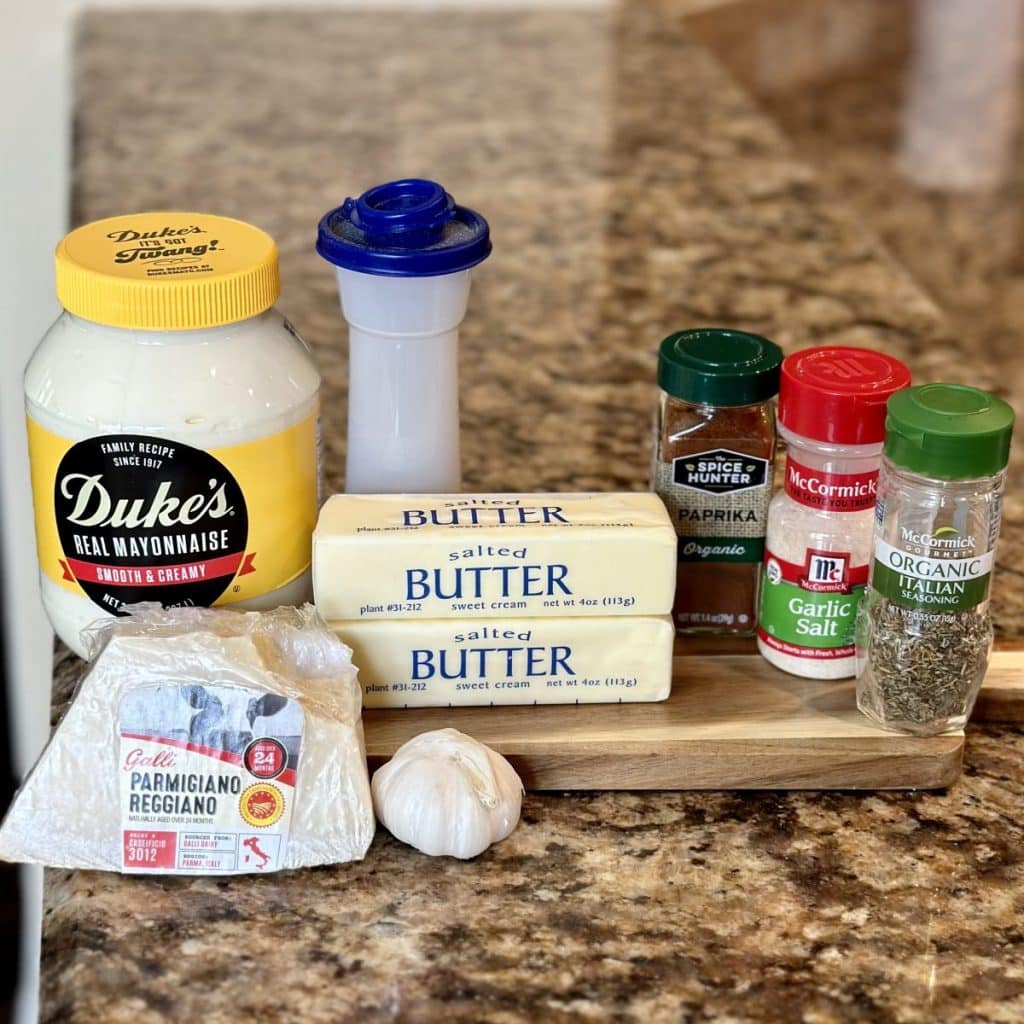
946	538
849	367
826	572
720	471
831	492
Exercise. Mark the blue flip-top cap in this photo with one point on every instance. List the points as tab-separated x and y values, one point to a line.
409	228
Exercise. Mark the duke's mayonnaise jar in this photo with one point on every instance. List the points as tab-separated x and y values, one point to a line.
172	424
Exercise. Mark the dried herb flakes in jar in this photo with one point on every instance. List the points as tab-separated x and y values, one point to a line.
924	665
924	631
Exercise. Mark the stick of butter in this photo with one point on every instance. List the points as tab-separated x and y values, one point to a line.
395	556
444	663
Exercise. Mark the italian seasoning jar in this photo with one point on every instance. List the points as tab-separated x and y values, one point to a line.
832	418
924	631
713	461
172	424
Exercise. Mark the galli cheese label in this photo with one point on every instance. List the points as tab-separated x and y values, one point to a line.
124	518
208	776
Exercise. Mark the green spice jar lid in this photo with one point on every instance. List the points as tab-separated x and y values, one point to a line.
716	366
948	431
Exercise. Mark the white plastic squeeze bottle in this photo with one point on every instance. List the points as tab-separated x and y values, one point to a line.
403	252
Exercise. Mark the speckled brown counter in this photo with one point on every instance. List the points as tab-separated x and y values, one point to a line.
632	189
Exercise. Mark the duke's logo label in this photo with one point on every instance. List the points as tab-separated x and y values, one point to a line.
146	519
720	471
164	246
132	517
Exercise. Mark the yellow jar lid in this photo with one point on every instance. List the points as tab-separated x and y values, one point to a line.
167	271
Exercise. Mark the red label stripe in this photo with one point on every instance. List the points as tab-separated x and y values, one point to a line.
287	777
158	575
830	492
856	575
194	748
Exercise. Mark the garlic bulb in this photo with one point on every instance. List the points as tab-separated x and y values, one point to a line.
447	795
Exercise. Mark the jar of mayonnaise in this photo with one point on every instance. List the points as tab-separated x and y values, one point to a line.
172	424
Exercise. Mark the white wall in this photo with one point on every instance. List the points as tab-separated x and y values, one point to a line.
34	127
34	124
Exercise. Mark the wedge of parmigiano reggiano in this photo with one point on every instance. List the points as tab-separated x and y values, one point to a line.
203	742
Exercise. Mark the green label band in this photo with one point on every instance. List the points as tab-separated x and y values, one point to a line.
807	619
721	549
929	594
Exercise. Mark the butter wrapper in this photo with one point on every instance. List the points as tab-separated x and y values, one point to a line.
446	663
397	556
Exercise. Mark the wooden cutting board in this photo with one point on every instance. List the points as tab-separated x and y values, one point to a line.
1002	697
732	722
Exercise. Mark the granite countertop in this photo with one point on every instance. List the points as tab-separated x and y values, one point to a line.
632	188
888	103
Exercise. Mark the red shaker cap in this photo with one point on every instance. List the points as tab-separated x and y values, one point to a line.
837	394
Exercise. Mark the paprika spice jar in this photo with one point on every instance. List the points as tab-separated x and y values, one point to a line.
172	424
713	461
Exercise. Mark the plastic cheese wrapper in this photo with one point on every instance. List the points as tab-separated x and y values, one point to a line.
202	741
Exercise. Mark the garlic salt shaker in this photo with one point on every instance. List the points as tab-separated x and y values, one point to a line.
403	253
832	418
